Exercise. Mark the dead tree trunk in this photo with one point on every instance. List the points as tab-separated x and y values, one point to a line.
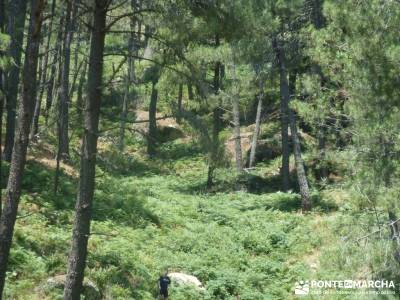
256	127
16	25
301	174
83	208
25	113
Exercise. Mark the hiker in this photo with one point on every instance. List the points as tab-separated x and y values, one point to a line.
163	283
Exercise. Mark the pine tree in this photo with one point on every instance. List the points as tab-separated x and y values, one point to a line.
25	114
81	230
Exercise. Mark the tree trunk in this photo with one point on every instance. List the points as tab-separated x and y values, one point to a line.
217	115
301	174
16	25
394	233
236	127
25	113
79	94
81	227
257	127
284	91
124	110
152	136
323	172
77	65
63	118
180	98
32	135
132	49
2	98
36	115
319	22
52	82
190	91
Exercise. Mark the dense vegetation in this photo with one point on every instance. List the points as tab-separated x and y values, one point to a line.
252	144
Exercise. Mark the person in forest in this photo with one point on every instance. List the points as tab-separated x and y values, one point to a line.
163	282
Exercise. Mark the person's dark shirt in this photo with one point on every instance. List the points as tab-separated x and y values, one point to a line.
164	282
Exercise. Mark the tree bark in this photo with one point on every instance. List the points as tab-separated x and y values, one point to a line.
124	110
256	127
323	172
2	98
152	136
190	91
32	136
25	113
236	126
16	25
52	82
36	115
130	75
63	119
180	98
79	94
83	208
217	115
285	98
300	171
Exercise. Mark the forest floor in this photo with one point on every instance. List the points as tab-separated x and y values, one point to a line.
150	215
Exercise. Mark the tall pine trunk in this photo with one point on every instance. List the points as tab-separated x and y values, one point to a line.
217	115
25	113
16	25
32	136
190	91
83	208
124	110
152	134
36	115
130	75
53	72
180	99
319	22
256	127
63	118
284	92
300	171
79	94
2	98
236	126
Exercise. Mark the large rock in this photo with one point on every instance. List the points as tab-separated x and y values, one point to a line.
167	129
90	290
265	150
169	132
185	279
